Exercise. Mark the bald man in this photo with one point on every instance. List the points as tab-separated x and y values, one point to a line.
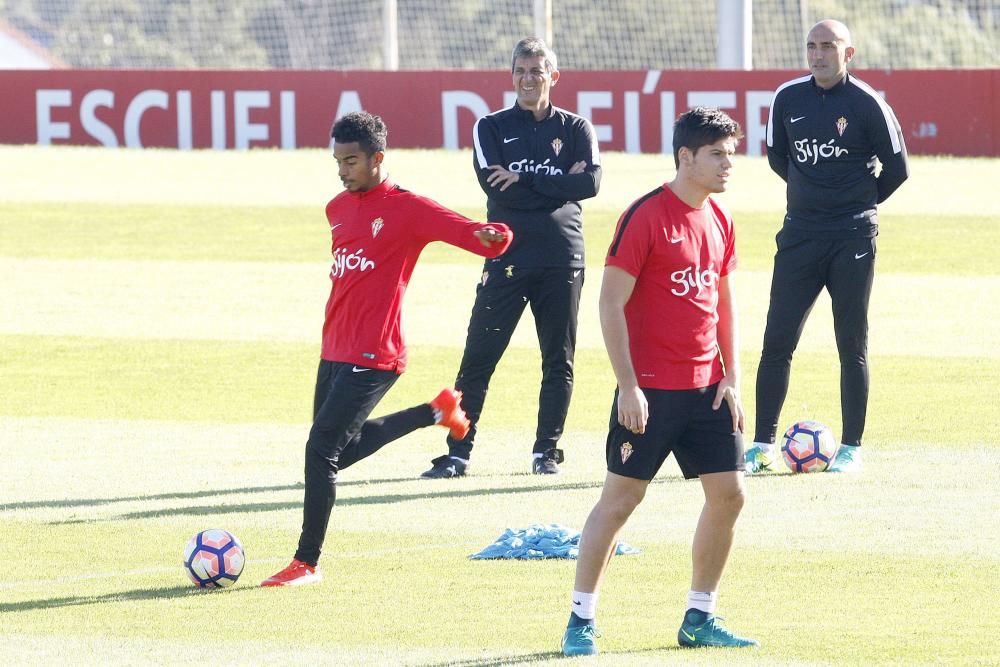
824	133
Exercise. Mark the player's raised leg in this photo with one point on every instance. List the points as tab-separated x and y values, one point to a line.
341	436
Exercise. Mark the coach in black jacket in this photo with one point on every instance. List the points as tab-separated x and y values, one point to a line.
824	134
535	162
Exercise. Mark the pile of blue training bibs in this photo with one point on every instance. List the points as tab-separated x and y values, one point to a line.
540	541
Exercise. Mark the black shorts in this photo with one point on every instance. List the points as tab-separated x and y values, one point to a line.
680	421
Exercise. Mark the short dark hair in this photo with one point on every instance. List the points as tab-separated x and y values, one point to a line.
702	126
534	46
367	129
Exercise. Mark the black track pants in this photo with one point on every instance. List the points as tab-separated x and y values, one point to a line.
554	297
802	268
342	435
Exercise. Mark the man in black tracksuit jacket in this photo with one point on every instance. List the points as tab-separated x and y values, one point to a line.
824	133
535	162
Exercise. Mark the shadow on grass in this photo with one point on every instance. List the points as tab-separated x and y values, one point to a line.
528	658
384	499
545	656
124	596
525	659
178	495
94	502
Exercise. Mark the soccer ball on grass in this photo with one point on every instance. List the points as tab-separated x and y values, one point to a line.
808	446
214	559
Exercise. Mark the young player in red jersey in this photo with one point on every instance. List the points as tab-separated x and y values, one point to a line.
669	324
379	230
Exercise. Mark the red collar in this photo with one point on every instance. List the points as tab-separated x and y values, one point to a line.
379	190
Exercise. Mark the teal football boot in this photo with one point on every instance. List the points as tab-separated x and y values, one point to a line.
758	459
848	459
696	632
580	640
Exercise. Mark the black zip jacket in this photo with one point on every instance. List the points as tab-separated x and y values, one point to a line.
543	207
823	143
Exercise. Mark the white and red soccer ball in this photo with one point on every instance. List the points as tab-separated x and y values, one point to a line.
808	446
214	559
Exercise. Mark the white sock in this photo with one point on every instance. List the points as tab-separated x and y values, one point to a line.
584	605
455	458
702	601
537	455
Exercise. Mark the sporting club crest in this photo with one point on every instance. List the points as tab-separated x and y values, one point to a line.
377	225
626	451
557	145
841	125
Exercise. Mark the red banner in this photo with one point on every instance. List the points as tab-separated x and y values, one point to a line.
953	112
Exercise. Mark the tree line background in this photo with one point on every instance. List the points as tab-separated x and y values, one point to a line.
478	34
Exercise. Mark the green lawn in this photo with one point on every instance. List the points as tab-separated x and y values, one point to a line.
158	342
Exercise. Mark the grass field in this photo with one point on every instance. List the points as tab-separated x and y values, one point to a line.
159	332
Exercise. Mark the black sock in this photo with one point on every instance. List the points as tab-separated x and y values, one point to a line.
575	621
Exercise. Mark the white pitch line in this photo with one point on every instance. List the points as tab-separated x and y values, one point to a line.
56	581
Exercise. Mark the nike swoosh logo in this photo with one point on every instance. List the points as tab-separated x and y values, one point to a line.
795	120
577	602
677	240
576	273
687	634
335	226
357	369
856	256
508	140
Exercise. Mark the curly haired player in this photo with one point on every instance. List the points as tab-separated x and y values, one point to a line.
379	230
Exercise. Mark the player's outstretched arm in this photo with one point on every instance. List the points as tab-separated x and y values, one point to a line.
485	239
490	236
430	221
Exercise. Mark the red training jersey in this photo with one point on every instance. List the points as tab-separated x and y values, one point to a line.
677	255
377	237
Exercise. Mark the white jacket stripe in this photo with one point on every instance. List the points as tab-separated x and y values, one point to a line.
890	119
770	112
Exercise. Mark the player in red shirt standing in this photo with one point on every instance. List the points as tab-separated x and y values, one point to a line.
669	325
378	232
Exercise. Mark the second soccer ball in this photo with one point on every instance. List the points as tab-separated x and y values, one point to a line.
808	446
214	559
